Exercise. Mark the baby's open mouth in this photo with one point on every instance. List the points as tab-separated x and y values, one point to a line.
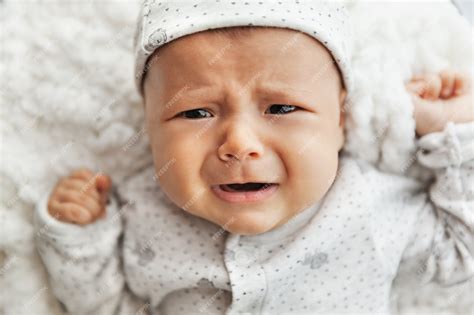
245	186
245	192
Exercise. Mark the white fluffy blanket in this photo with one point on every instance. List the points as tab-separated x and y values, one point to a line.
68	100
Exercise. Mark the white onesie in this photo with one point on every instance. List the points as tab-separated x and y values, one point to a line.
147	256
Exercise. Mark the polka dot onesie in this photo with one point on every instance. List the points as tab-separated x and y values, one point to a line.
340	255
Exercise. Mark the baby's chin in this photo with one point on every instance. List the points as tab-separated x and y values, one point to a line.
247	228
251	223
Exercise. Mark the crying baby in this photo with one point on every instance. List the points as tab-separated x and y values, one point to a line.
251	205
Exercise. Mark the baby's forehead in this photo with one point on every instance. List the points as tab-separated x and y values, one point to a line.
208	55
224	43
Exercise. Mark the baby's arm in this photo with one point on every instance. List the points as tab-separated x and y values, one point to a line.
444	235
444	238
82	261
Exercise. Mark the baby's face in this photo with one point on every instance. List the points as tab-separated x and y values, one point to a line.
215	115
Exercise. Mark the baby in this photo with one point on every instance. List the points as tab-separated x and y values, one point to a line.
251	207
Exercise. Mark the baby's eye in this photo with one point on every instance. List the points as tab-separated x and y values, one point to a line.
282	108
194	113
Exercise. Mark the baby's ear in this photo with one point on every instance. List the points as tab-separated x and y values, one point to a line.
342	111
342	118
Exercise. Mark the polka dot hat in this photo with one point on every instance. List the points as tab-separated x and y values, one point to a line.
160	22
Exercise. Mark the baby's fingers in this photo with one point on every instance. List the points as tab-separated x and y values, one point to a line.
427	86
461	84
92	205
417	87
69	212
447	79
103	184
432	87
81	186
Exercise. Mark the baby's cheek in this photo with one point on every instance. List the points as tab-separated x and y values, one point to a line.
179	165
315	170
168	168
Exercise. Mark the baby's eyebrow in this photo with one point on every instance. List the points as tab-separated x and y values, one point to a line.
202	91
282	90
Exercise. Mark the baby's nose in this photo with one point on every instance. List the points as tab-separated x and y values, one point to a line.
240	143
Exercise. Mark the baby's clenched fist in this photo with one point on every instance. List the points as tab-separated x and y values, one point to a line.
439	98
80	198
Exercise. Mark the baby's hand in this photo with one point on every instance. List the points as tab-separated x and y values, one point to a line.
80	198
440	98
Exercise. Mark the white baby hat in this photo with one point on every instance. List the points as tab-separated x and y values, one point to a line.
160	22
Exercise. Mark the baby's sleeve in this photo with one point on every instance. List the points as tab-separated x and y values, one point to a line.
82	262
442	249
